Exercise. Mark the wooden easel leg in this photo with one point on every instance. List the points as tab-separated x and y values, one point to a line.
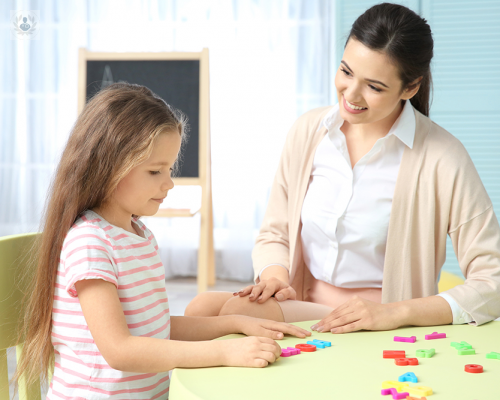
211	249
203	252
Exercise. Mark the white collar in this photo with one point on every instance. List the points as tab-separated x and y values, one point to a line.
403	128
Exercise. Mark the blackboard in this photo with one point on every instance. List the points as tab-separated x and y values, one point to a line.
175	81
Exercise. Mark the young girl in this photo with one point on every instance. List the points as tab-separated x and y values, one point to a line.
98	306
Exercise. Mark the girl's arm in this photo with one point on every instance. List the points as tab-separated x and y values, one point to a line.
105	318
207	328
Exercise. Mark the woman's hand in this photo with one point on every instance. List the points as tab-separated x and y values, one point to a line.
251	351
264	327
359	313
266	288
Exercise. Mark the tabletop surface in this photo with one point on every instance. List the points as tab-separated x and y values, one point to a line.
353	368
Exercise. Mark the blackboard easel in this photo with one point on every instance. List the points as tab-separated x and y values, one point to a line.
182	80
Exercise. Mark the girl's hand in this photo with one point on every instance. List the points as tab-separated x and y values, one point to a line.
266	288
251	351
359	313
264	327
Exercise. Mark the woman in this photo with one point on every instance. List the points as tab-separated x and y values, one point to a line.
364	197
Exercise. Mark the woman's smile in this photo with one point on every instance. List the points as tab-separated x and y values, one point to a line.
348	107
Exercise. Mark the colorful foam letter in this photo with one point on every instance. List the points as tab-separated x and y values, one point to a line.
493	355
395	394
466	352
435	335
461	345
408	377
411	339
406	361
399	386
394	354
426	353
305	347
474	368
419	391
321	344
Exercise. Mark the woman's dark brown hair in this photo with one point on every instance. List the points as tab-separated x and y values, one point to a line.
406	39
114	133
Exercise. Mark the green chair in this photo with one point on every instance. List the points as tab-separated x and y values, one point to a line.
13	260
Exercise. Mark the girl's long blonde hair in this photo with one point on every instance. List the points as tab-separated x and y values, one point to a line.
113	134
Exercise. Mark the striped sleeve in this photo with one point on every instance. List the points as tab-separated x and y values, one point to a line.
86	255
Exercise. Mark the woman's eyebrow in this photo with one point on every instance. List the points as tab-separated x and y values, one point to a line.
369	80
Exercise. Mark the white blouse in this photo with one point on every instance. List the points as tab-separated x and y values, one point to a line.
346	211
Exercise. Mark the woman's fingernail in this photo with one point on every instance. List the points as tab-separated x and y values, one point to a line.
333	330
252	295
260	297
320	329
314	327
279	297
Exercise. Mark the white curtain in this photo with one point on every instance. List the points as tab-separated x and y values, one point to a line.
270	61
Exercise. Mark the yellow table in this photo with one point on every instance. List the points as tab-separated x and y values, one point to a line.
353	368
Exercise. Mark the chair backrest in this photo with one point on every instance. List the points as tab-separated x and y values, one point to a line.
14	254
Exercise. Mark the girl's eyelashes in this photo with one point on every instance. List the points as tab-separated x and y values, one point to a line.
371	86
158	172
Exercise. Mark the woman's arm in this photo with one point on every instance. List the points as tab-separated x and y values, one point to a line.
427	311
359	313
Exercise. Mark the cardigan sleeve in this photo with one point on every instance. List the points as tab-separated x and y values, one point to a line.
477	246
475	234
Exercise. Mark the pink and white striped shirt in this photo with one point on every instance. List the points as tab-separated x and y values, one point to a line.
95	249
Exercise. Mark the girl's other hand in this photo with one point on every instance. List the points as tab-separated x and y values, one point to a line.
264	327
266	288
256	352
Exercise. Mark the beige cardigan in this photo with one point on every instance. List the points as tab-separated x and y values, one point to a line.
438	192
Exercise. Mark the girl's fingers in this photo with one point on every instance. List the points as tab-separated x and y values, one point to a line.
290	329
267	340
268	356
271	348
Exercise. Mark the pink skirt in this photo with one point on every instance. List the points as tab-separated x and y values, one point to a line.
322	298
